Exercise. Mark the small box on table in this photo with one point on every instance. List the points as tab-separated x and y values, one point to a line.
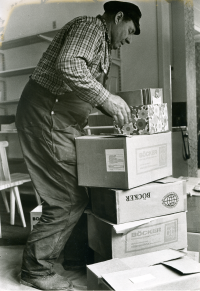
123	162
162	197
138	237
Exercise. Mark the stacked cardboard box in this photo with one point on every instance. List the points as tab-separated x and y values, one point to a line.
193	214
137	207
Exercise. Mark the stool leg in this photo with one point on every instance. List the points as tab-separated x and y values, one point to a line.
18	200
12	207
3	192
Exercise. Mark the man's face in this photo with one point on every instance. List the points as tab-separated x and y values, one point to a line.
121	32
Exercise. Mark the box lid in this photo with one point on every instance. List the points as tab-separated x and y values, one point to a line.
153	258
186	266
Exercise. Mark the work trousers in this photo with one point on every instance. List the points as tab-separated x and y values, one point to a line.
47	127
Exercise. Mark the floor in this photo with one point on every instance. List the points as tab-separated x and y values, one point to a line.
11	248
10	262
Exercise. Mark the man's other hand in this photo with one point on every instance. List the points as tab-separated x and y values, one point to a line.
118	109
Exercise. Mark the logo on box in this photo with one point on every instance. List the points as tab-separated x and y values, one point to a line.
170	200
171	231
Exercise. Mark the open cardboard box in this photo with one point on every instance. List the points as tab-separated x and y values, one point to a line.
162	197
162	270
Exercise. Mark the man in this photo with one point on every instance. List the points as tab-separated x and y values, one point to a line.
66	84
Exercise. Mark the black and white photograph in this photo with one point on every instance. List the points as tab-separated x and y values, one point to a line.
99	145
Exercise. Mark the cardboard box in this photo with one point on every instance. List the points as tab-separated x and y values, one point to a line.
138	237
100	120
142	96
194	242
146	119
193	205
178	274
35	215
153	199
132	98
153	96
193	255
96	271
123	162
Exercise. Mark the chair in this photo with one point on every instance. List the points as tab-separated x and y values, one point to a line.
11	182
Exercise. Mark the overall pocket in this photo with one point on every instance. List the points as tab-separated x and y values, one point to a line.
64	144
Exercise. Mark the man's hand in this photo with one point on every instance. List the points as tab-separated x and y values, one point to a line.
118	109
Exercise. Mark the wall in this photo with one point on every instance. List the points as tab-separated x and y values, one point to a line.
139	60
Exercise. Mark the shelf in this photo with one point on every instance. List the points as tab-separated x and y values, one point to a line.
15	160
8	131
16	72
178	128
8	102
116	61
26	40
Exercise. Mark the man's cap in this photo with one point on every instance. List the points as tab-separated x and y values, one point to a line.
127	8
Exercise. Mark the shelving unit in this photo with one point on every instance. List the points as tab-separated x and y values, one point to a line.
32	39
17	72
7	102
8	131
27	40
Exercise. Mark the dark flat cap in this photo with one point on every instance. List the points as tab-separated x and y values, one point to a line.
128	9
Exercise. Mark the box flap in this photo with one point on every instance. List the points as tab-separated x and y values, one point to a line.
124	228
135	279
108	266
167	180
185	266
152	258
156	277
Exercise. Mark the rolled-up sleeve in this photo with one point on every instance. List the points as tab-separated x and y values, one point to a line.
74	62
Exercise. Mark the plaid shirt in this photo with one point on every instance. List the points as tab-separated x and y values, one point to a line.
78	54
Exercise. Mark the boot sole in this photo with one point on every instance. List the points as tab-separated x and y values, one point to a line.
33	286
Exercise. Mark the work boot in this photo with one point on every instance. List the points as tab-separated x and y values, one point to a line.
49	282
